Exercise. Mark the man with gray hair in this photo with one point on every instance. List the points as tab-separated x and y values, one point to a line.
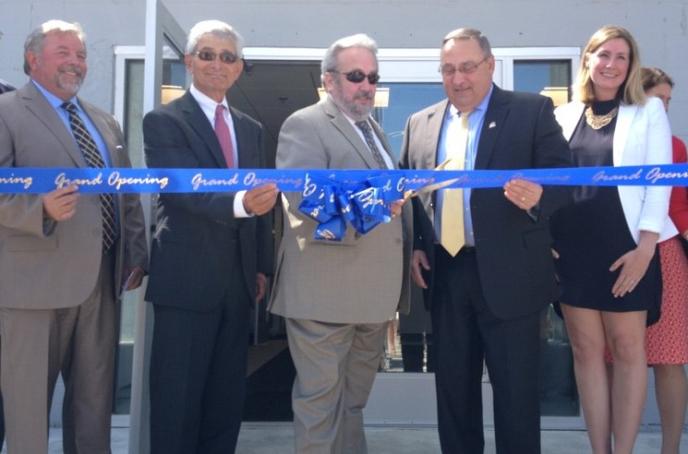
210	257
338	296
66	257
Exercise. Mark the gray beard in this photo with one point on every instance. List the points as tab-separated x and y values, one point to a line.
72	88
355	112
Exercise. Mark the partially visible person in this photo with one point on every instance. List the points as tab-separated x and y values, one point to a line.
337	297
606	240
667	340
5	87
484	254
66	257
211	254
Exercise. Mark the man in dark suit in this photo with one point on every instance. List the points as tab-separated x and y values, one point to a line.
210	257
66	257
487	249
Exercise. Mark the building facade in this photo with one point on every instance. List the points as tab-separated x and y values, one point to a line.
537	44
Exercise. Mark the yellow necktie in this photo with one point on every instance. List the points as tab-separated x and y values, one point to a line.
451	219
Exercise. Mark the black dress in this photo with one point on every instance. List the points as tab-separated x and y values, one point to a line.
592	233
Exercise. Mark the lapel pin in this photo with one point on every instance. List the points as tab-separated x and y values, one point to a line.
492	125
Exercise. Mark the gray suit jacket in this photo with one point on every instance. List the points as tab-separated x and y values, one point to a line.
362	279
48	265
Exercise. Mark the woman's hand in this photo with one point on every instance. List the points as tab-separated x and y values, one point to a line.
633	264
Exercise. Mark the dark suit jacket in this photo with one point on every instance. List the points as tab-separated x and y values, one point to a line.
5	87
195	232
513	249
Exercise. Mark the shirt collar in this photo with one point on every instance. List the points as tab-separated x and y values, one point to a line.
352	121
206	102
482	107
54	100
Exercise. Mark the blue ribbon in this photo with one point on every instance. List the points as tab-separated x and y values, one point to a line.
27	180
363	204
331	197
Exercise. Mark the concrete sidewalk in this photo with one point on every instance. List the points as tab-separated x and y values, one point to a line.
271	438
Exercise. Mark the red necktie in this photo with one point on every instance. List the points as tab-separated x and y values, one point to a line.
223	135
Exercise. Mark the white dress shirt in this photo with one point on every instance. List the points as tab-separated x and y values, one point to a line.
208	106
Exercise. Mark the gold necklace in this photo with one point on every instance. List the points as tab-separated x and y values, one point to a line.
599	121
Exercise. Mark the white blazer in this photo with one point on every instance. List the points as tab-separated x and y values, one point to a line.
642	137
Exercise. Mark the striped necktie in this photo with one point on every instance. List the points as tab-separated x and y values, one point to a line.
370	140
93	158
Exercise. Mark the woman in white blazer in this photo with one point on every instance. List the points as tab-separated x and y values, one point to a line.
606	240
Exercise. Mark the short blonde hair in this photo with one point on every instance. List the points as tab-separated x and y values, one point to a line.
631	89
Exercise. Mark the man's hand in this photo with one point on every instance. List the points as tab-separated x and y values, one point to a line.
261	286
261	199
60	204
396	206
132	278
418	260
523	193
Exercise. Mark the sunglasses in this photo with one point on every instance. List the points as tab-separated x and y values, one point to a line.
225	56
357	76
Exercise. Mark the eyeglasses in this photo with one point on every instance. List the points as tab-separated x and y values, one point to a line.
225	56
357	76
469	67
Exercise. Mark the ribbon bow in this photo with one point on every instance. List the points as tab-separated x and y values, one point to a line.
363	204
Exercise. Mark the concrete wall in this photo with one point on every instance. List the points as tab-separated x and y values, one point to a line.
660	26
107	23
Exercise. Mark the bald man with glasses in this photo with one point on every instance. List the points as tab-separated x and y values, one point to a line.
484	254
338	296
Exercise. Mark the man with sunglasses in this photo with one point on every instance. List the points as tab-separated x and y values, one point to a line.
483	255
210	257
338	296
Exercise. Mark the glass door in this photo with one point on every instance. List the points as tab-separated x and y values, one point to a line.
278	81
